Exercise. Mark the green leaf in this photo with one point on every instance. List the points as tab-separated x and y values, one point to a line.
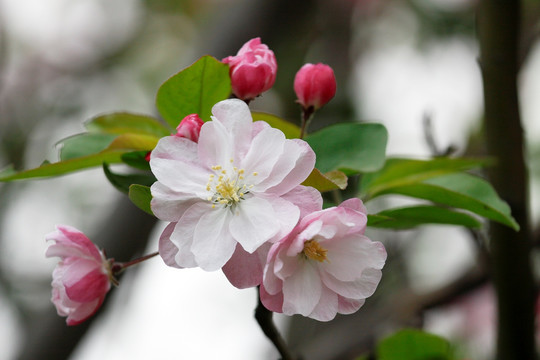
112	154
194	90
123	182
462	191
65	167
121	123
412	344
136	159
290	130
332	180
398	172
134	142
409	217
84	144
351	148
141	196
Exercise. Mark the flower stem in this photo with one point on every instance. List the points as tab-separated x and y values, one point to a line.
264	318
307	115
119	267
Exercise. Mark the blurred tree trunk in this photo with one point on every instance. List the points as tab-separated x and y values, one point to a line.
499	34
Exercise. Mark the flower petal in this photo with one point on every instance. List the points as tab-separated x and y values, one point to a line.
170	205
327	306
183	234
236	117
253	223
93	285
271	302
216	146
71	242
293	168
349	306
180	176
302	291
348	257
360	288
307	199
213	244
266	148
245	270
175	148
167	249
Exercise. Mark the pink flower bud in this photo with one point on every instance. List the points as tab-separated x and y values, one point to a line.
190	127
253	70
81	279
314	85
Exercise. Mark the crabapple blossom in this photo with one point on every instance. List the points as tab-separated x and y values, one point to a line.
239	185
190	127
253	70
83	276
314	85
325	266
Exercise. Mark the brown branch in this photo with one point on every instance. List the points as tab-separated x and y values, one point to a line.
264	319
498	27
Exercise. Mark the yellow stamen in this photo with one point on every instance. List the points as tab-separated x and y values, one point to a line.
313	250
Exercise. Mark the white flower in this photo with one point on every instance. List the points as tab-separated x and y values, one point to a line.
238	185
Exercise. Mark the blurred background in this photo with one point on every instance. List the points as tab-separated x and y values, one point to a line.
398	62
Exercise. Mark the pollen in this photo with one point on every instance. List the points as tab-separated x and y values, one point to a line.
226	186
313	250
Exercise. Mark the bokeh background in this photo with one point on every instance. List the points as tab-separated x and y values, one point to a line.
398	62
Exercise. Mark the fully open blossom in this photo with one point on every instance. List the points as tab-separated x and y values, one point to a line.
326	265
81	278
253	70
238	185
314	85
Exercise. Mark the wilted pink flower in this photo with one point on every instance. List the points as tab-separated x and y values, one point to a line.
238	185
253	70
326	265
314	85
81	278
190	127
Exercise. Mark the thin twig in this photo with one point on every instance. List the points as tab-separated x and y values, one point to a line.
264	318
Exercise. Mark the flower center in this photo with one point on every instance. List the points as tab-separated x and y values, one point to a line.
313	250
227	187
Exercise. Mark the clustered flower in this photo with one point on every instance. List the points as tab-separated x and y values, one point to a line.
230	190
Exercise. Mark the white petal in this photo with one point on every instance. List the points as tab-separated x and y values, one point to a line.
302	291
253	223
236	117
182	235
170	205
294	167
213	244
349	306
286	214
348	257
327	307
266	148
361	288
175	148
180	176
215	145
307	199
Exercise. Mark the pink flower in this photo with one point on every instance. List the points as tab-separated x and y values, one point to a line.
238	185
190	127
314	85
253	70
81	278
326	265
